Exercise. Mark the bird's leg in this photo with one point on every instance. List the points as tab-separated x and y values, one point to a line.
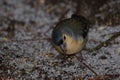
66	57
73	56
81	57
63	57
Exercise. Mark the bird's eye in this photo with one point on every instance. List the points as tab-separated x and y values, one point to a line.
64	37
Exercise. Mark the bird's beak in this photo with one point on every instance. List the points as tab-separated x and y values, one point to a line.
61	48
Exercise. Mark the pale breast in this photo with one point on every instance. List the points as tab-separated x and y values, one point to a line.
73	46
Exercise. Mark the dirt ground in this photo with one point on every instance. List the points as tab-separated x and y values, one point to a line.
32	59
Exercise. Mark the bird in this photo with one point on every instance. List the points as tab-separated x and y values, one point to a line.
70	35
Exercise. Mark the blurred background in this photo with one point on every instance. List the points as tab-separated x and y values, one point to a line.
24	56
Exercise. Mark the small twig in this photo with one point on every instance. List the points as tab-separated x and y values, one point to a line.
86	64
115	35
113	75
13	20
78	7
63	15
8	50
89	68
105	77
25	40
